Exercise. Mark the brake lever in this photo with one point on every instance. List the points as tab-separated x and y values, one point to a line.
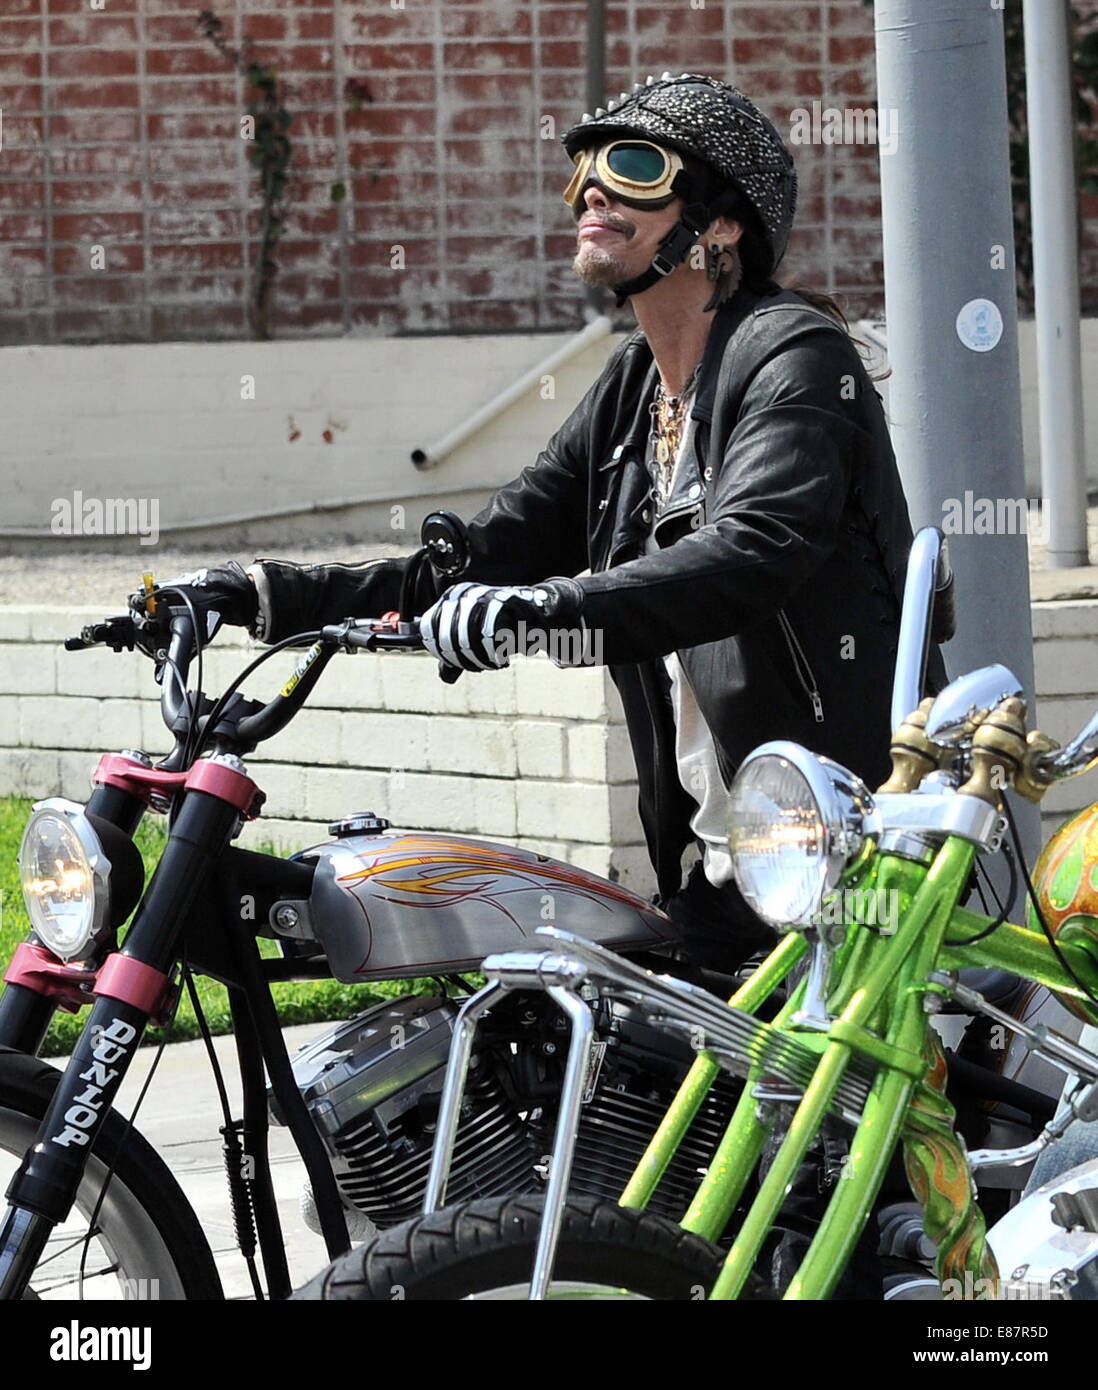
348	636
117	633
389	632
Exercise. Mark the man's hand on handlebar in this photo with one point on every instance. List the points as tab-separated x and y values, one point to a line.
225	594
477	627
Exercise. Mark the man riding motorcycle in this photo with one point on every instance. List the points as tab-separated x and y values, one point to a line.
720	517
728	482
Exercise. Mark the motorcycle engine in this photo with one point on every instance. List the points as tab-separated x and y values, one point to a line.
372	1085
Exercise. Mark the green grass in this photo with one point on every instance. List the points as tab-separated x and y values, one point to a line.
309	1002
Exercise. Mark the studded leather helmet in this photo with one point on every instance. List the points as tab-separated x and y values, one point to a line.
712	124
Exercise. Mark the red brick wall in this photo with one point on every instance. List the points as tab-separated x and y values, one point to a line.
120	129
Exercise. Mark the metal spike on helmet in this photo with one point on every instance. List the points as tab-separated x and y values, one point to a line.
649	80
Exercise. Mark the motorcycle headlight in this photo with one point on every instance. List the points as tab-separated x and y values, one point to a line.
798	823
65	874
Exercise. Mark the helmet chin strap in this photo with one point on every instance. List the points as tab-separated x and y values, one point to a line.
672	251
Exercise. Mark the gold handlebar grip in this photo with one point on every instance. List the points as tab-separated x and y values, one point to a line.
1029	781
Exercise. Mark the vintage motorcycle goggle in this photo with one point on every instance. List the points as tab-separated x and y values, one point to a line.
633	171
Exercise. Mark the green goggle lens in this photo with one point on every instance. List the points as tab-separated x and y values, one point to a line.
637	163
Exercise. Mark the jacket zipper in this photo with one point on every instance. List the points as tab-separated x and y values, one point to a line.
343	564
800	664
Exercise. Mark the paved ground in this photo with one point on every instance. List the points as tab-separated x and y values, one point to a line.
181	1117
83	576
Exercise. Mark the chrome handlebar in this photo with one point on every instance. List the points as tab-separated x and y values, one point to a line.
928	573
1076	757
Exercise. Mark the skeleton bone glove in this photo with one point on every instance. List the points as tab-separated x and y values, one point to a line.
479	627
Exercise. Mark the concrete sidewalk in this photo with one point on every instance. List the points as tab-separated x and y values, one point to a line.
181	1116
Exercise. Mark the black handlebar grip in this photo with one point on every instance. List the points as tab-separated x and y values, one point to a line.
943	617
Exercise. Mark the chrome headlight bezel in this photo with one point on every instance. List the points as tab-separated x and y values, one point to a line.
73	816
847	819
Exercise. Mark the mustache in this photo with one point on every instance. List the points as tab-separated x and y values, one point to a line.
609	219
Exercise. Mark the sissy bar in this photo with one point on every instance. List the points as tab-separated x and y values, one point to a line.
568	969
561	978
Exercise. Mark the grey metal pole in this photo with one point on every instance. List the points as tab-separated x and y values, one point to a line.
952	318
1052	199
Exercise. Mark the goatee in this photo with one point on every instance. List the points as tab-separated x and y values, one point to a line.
598	268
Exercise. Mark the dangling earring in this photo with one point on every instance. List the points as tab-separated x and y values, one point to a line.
714	261
724	269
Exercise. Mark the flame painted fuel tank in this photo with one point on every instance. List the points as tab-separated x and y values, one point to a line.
406	903
1066	880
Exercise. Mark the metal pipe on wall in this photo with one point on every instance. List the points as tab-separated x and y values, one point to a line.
432	454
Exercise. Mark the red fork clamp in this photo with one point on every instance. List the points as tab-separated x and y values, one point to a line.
213	778
72	986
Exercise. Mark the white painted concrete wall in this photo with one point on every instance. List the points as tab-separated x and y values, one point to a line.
1066	661
533	755
168	421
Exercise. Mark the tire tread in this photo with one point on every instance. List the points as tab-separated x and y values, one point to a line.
426	1256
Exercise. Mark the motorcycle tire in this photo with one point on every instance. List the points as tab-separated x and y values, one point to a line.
145	1225
485	1249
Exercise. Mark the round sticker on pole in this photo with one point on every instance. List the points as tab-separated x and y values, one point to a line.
980	325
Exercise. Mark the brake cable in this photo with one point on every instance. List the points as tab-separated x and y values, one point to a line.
192	708
174	670
297	640
1004	911
239	1192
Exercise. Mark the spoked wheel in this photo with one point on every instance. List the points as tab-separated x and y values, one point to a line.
485	1250
146	1242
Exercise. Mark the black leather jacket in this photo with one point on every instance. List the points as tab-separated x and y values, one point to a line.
782	559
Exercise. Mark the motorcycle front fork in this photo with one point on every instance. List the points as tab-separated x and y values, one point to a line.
43	1191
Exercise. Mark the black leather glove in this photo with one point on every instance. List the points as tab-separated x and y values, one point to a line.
477	627
224	593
